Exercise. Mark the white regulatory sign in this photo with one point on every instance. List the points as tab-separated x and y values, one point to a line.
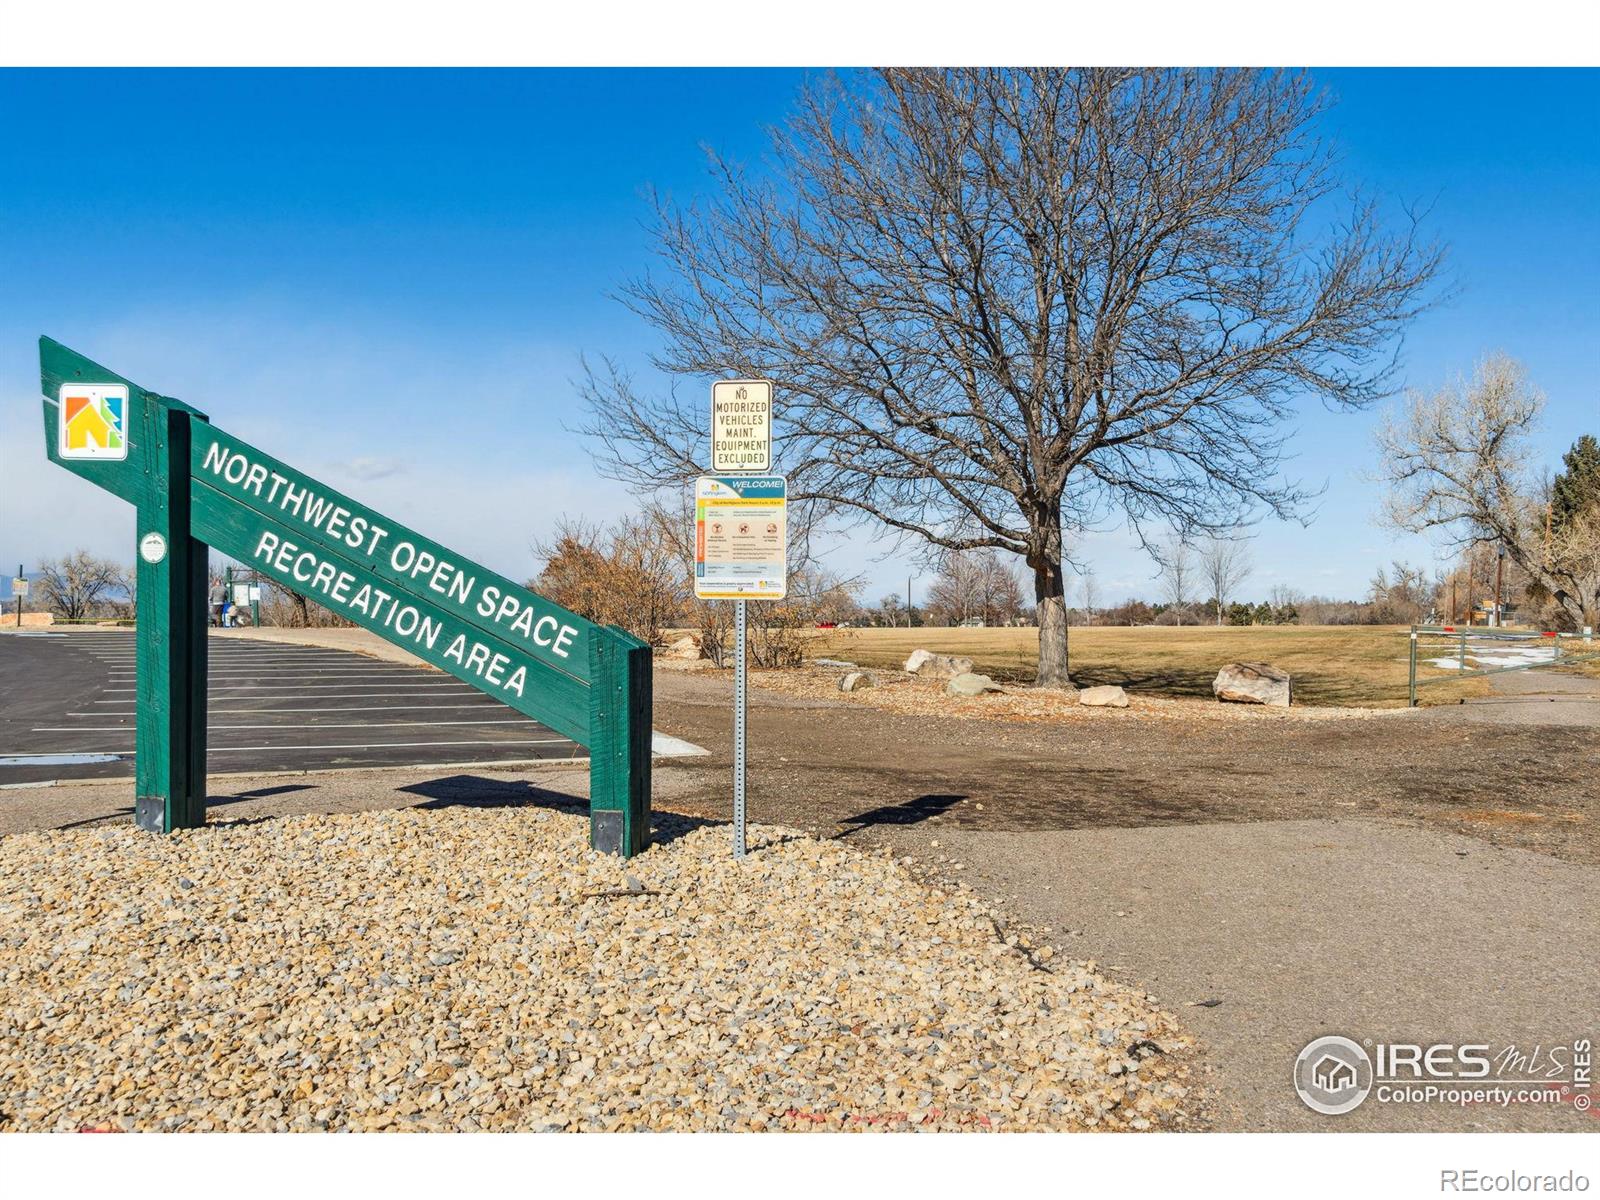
741	425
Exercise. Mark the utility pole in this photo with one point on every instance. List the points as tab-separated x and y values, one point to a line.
19	598
1499	578
908	602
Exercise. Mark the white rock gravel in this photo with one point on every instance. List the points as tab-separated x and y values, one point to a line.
481	969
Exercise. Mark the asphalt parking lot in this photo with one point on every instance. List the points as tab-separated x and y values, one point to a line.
68	711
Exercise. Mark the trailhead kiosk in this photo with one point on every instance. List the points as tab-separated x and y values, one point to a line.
195	487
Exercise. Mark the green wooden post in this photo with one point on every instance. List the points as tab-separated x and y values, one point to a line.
148	466
619	742
170	739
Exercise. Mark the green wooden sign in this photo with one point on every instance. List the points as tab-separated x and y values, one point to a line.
196	487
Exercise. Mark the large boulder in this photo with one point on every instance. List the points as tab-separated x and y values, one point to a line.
928	665
1252	683
688	646
1107	696
968	684
855	681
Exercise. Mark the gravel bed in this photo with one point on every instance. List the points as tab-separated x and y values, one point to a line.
481	969
910	695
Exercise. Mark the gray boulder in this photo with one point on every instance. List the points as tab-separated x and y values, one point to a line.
968	684
1252	683
854	681
833	662
928	665
1107	696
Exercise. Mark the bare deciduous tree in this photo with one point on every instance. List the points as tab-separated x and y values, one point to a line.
1459	463
973	583
1400	594
75	586
1175	562
1002	303
1090	596
1225	565
954	593
1282	595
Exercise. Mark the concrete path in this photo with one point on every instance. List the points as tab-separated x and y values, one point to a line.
1303	928
1539	698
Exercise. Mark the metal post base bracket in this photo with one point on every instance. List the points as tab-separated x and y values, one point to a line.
149	813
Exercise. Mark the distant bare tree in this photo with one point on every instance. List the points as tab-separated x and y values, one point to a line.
1175	561
1459	462
999	593
1090	596
1400	594
1001	303
75	586
1225	565
956	589
1281	595
973	583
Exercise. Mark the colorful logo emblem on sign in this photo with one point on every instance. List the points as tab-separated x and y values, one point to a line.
94	420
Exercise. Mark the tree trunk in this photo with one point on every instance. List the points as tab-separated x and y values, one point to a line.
1050	594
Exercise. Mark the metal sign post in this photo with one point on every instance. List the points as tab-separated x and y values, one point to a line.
741	538
740	679
741	543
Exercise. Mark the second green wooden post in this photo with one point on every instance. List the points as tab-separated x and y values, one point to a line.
170	713
619	742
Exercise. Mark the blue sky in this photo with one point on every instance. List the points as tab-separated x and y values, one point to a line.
386	278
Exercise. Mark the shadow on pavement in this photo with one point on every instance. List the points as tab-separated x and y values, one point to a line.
910	813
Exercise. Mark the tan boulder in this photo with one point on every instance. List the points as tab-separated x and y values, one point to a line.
687	647
928	665
1106	696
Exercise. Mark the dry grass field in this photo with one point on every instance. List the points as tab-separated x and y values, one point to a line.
1332	665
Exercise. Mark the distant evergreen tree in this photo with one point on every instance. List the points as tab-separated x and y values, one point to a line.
1578	487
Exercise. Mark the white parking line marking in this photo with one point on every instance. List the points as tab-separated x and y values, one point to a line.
370	746
339	696
287	726
58	760
448	685
485	703
291	673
